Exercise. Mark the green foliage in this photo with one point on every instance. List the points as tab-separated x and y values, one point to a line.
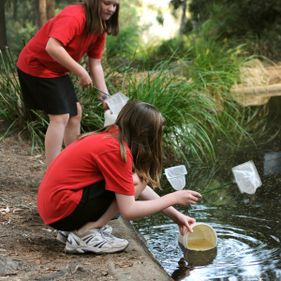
12	110
120	50
216	68
192	121
176	3
252	16
203	70
257	22
213	63
187	78
185	112
19	34
92	119
20	23
171	49
12	106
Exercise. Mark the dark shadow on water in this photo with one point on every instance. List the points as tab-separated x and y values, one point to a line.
192	259
200	258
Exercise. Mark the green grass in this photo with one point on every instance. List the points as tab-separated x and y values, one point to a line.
12	111
192	93
192	120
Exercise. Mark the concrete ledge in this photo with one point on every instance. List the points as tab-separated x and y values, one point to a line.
147	267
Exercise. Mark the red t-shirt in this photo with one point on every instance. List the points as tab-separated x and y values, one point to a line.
68	27
82	163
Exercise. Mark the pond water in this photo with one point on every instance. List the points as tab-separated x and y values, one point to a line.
249	238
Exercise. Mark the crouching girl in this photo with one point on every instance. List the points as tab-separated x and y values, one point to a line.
102	174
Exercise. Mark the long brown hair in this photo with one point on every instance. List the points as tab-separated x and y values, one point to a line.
141	126
94	22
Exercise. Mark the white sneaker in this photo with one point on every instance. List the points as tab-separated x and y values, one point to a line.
62	235
106	228
94	242
113	240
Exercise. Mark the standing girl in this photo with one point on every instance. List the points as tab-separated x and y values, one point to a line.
101	174
45	62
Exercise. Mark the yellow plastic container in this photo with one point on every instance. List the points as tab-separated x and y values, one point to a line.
203	238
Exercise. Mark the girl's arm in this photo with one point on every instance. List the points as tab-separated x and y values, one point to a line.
97	74
148	194
179	218
57	51
131	209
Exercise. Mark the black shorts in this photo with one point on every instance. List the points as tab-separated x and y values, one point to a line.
94	202
52	95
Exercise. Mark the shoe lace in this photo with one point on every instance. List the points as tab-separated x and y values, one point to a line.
107	236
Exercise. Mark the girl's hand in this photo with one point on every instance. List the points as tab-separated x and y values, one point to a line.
84	77
185	223
185	197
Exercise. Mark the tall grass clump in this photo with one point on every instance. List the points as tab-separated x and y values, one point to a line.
194	94
190	114
121	49
12	110
214	67
156	52
92	118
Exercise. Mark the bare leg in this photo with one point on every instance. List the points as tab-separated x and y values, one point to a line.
72	130
54	136
103	220
112	211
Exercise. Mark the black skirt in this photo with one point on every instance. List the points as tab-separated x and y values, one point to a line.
94	203
52	95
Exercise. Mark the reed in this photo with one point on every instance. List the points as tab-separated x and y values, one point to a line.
202	120
189	113
12	111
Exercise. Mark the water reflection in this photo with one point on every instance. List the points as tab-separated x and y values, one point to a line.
199	258
249	236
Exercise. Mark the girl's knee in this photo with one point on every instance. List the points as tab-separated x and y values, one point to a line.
79	109
61	119
78	116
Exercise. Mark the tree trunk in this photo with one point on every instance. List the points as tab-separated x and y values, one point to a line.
15	10
3	35
51	5
42	12
183	17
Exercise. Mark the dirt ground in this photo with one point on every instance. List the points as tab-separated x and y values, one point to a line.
29	250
